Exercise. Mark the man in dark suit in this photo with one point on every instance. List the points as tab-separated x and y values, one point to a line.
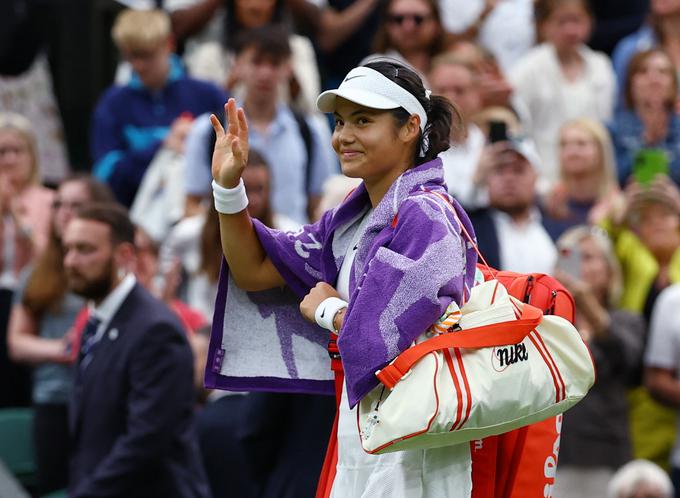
131	414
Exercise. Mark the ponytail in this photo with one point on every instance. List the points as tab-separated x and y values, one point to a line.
442	116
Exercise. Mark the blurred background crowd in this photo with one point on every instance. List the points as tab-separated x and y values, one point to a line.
568	162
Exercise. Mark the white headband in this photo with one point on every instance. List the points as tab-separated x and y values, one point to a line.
369	88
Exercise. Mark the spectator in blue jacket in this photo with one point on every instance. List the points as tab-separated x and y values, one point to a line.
154	108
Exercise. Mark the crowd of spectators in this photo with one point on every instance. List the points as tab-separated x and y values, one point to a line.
567	158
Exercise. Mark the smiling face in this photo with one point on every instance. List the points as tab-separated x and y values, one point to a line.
370	144
411	25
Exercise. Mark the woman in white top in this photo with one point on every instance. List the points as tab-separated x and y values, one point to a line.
562	79
378	270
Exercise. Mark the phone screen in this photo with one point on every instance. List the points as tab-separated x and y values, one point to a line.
498	131
649	163
569	261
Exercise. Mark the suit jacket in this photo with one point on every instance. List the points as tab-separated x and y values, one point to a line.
131	416
487	236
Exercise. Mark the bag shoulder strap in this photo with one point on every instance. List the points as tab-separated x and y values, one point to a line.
497	334
466	234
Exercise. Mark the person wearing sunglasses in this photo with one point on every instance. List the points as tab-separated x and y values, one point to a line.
410	31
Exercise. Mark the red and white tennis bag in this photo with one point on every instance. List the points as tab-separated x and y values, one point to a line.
491	367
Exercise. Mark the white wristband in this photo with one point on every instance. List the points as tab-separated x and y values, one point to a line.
230	200
326	311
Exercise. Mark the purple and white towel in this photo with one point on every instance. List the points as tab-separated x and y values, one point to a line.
410	264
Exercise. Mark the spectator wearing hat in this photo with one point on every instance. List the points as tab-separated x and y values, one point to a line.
510	233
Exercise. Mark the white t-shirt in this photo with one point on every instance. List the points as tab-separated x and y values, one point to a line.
508	32
436	472
526	247
460	163
663	345
551	100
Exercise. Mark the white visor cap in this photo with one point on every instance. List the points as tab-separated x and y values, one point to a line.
368	88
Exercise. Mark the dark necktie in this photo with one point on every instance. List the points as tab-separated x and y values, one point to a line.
88	341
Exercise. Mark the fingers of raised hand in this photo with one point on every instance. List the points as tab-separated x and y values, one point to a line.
243	125
232	117
217	126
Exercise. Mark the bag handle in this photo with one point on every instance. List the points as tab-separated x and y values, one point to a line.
496	334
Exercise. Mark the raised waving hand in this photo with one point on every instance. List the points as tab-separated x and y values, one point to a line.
231	146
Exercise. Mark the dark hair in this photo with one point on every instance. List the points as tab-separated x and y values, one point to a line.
635	66
442	115
45	288
97	191
381	42
268	41
111	214
232	28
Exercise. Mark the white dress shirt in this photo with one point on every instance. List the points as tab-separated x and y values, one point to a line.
460	163
108	308
524	247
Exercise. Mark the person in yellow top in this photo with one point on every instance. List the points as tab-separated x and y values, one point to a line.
644	225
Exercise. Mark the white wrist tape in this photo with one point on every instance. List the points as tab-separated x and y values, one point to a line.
230	200
326	311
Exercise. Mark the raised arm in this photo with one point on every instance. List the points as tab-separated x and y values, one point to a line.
249	265
337	26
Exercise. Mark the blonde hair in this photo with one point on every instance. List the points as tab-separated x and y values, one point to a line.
10	121
608	182
577	234
141	29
